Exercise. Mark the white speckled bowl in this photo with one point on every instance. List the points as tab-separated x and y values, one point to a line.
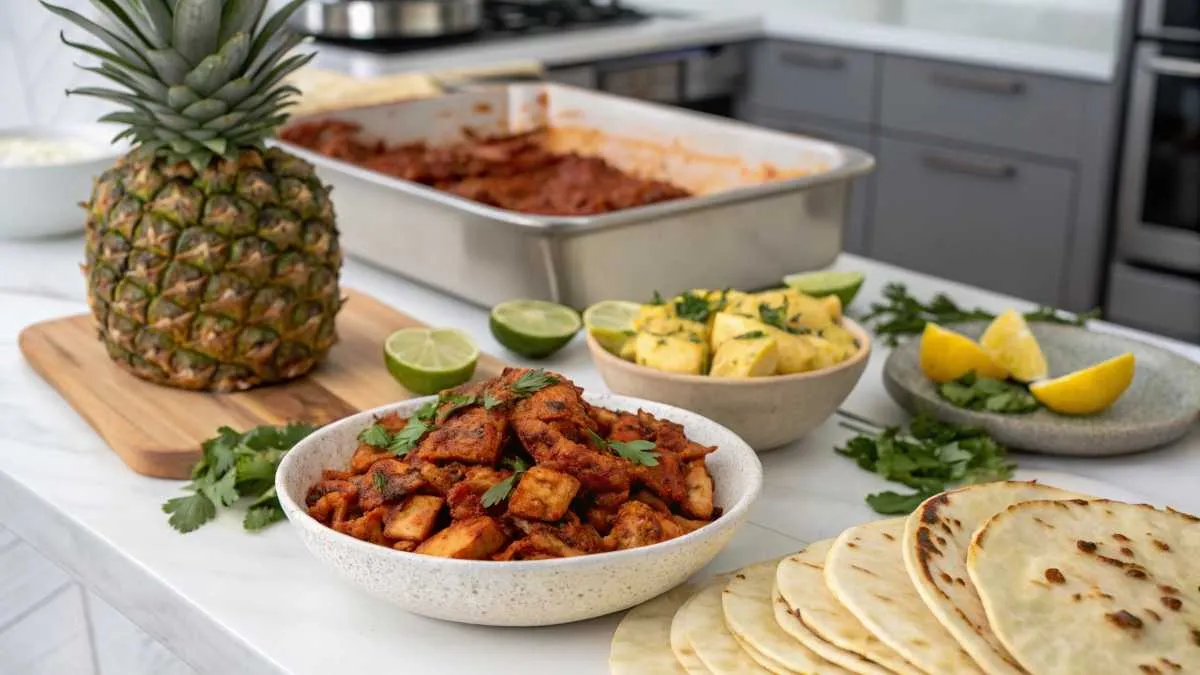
521	593
768	412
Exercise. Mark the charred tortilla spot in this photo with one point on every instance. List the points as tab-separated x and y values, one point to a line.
947	578
1154	615
851	544
863	570
1043	523
958	523
1124	620
1120	537
888	537
1170	664
1136	573
930	514
1055	576
1196	637
960	581
1125	550
740	576
1169	590
1086	546
1162	545
941	541
1173	604
1149	670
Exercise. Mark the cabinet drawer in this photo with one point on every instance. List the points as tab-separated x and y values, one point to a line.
825	81
1153	301
998	108
987	220
854	231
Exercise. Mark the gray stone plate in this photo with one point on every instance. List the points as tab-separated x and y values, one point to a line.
1159	407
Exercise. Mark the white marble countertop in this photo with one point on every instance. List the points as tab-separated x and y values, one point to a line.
1071	38
230	602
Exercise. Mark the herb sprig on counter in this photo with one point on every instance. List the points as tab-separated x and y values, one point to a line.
988	395
929	458
234	466
902	314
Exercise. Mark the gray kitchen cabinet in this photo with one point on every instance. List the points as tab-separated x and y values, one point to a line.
997	108
824	81
1138	298
980	218
854	232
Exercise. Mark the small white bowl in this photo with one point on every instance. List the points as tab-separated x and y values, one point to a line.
768	412
520	593
42	200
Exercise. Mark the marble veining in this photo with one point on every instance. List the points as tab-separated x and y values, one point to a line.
226	601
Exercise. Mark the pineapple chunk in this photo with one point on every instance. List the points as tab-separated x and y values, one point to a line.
629	349
727	326
746	357
653	313
686	354
833	305
795	355
825	353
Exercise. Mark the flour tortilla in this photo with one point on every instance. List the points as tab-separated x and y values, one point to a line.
1093	586
749	614
684	654
936	538
703	624
807	611
641	644
865	572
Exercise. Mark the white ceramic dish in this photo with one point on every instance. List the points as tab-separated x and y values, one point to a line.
42	200
768	412
523	593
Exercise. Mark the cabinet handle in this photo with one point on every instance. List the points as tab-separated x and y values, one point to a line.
811	60
984	169
1007	86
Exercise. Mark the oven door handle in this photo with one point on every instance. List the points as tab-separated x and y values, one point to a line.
1163	65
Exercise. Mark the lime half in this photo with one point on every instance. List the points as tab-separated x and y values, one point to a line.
611	323
428	360
534	328
844	285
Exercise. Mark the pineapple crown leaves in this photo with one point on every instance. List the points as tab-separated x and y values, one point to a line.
199	78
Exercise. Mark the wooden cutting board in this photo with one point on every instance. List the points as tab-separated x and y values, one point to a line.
157	430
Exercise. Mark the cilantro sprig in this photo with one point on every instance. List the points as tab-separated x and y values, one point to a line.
692	307
500	491
532	381
778	317
638	452
750	335
929	458
902	314
988	395
235	466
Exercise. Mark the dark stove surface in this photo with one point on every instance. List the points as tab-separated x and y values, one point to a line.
512	19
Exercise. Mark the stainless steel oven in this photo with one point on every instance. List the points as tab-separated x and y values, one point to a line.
1154	281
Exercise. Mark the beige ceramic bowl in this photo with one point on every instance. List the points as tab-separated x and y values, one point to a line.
520	593
766	412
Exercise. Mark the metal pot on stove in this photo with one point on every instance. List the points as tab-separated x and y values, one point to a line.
388	19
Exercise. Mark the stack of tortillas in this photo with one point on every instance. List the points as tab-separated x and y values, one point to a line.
1005	578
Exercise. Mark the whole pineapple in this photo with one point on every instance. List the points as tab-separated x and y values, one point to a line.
212	262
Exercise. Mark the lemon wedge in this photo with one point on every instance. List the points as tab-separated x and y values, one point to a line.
1012	345
1087	391
947	356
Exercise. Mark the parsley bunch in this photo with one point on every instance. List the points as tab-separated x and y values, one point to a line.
236	465
931	457
902	314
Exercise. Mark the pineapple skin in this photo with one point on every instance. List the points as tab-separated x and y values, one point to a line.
223	279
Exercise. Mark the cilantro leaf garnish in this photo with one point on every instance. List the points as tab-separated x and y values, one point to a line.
773	316
532	381
406	439
987	394
427	409
657	299
490	401
932	456
638	452
500	491
375	436
236	465
379	480
692	307
452	404
752	335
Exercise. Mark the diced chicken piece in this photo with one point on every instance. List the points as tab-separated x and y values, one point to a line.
331	508
568	538
368	527
473	436
651	499
404	545
699	500
543	494
668	436
688	525
603	418
546	542
597	471
441	478
473	539
601	519
628	427
466	498
664	479
521	549
334	474
396	480
347	488
639	525
415	519
365	456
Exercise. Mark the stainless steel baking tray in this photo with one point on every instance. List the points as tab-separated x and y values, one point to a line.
767	203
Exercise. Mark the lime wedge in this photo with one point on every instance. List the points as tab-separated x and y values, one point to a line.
611	323
844	285
534	328
428	360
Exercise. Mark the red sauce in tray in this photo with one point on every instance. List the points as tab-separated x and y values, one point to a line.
511	172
